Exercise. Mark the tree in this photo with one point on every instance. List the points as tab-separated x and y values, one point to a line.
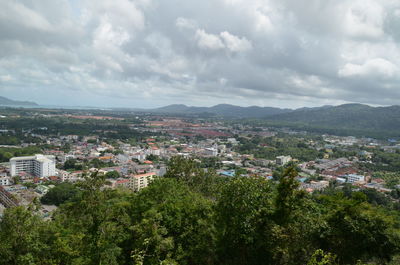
244	214
190	172
322	258
173	223
113	174
60	194
355	230
24	238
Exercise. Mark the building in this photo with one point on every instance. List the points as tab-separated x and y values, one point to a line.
5	181
211	151
121	183
138	182
38	165
282	160
351	178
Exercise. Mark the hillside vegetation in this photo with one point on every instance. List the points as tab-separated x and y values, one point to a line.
195	217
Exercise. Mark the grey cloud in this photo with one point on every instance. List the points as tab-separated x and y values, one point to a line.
144	52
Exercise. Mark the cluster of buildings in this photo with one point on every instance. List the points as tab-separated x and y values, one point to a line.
138	163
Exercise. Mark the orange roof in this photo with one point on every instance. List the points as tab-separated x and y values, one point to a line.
148	162
105	157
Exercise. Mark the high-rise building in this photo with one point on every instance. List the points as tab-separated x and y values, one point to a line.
37	165
138	182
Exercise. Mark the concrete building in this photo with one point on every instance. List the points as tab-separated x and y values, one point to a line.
211	151
5	181
138	182
282	160
351	178
37	165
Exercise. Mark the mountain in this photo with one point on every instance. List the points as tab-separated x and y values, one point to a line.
352	119
9	102
224	110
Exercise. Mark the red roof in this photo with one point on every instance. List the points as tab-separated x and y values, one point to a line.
122	181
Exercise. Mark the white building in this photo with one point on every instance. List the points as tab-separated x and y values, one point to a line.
138	182
282	160
351	178
5	181
211	151
37	165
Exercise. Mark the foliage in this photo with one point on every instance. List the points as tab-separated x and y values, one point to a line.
194	217
113	174
270	148
8	152
60	194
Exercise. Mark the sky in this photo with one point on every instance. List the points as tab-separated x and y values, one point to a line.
152	53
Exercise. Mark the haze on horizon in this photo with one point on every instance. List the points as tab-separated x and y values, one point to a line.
148	53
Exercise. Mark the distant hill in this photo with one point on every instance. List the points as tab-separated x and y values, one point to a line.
350	118
9	102
224	110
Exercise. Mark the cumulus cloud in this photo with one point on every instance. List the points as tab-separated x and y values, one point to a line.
208	41
142	53
234	43
224	40
377	67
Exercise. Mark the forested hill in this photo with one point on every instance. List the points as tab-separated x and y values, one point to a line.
349	118
224	110
9	102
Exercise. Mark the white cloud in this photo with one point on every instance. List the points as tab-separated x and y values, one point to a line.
208	41
224	40
365	18
374	67
234	43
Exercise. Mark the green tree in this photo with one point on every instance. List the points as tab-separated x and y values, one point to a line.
24	238
173	223
244	214
113	174
60	194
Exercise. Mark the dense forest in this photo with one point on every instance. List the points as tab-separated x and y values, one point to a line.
196	217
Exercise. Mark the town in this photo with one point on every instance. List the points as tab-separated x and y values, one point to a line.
41	149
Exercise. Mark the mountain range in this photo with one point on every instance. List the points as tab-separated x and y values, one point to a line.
347	119
9	102
224	110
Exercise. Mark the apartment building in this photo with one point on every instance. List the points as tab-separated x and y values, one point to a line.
138	182
37	165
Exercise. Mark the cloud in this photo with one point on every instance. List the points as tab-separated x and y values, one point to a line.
234	43
224	40
150	52
208	41
377	67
